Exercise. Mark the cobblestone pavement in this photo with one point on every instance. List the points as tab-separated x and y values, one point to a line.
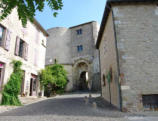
24	101
74	107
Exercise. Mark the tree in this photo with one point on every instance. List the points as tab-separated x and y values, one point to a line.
53	78
12	88
26	8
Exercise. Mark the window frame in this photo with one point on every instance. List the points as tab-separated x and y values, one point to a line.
79	31
3	36
21	43
80	48
20	54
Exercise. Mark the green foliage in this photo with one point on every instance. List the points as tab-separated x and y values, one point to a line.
109	76
54	79
12	88
26	8
46	76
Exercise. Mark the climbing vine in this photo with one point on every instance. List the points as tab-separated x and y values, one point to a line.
109	79
12	88
109	76
54	79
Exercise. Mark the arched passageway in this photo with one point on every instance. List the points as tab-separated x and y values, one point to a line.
83	81
82	76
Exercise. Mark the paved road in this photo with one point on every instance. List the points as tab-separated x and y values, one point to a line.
71	108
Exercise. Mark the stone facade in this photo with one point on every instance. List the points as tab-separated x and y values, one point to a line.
36	48
135	27
65	43
107	62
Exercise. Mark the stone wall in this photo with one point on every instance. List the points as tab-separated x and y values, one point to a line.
137	33
89	53
59	46
36	47
85	39
62	45
108	61
69	86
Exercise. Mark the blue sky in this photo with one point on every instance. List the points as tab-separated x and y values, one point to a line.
74	12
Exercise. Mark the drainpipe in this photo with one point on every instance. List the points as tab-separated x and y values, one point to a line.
118	67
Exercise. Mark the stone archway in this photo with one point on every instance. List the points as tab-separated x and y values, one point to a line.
81	75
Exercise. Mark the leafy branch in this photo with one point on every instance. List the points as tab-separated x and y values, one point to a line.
26	8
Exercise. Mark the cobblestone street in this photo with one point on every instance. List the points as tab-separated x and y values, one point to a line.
74	107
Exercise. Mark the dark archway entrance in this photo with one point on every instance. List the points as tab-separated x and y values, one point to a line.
83	81
82	76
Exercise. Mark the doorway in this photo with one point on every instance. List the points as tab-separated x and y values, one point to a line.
1	74
33	85
83	81
23	84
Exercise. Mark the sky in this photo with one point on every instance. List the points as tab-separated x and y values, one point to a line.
74	12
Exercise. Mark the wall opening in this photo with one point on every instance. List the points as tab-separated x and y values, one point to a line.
83	81
150	101
82	77
2	66
33	85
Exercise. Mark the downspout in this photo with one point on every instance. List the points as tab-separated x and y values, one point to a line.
118	66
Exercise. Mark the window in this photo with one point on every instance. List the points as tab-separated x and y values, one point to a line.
2	32
79	48
5	37
150	101
21	48
79	31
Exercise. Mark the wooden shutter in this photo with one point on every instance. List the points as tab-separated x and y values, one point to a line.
25	51
7	40
17	46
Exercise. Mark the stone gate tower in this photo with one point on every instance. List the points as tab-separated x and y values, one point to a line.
74	48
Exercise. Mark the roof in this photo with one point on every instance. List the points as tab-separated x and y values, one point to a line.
107	11
82	24
73	26
38	25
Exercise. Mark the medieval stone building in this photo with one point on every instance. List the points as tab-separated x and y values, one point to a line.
128	41
27	45
74	48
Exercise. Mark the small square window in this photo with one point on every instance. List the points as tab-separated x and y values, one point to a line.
150	101
79	31
79	48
